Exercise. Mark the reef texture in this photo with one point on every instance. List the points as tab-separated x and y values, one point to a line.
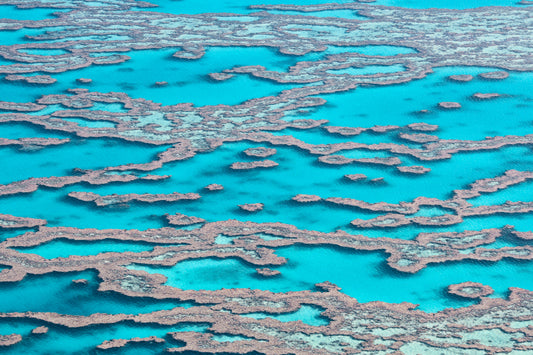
35	79
179	219
116	199
487	96
214	187
267	272
461	77
103	32
120	343
253	165
494	75
8	221
40	330
354	177
449	105
10	339
260	152
252	207
470	290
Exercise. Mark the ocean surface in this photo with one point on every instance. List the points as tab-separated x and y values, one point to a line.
361	274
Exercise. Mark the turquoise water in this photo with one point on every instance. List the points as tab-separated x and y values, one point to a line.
66	248
14	13
188	80
362	275
475	120
55	292
307	266
84	340
24	35
60	160
7	233
14	130
299	172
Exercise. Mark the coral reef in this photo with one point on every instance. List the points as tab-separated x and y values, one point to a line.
470	290
107	32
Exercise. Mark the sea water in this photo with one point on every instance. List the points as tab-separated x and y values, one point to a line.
362	275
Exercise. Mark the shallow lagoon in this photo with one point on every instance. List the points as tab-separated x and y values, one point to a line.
65	248
362	275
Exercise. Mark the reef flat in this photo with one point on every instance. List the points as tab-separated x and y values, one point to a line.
244	178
